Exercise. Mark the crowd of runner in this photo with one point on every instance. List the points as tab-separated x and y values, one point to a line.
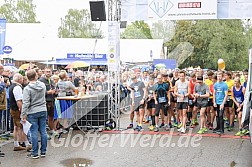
206	100
179	97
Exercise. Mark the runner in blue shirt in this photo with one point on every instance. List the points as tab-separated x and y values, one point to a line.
219	98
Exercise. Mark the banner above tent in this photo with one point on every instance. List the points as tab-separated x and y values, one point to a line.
183	10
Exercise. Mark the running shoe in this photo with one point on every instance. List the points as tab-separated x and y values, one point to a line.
245	132
49	137
130	126
140	128
230	128
175	124
162	125
227	122
239	133
183	130
205	129
136	128
220	132
215	130
167	128
211	127
207	125
43	155
156	129
188	123
180	125
193	126
201	131
170	125
151	128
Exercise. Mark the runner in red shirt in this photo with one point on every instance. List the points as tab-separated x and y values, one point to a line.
192	114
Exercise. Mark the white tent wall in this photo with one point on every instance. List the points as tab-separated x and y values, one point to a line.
29	42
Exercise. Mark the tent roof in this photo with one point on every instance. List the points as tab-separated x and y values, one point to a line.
29	43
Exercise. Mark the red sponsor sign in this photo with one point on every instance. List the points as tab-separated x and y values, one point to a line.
189	5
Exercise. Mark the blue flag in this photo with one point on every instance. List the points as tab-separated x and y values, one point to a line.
2	34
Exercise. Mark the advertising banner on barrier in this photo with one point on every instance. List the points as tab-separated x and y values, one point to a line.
182	9
2	34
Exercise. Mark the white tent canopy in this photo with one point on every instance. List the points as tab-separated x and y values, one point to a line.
29	43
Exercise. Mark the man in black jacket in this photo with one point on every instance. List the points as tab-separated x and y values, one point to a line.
50	96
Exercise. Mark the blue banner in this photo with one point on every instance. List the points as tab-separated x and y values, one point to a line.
169	63
87	56
89	61
2	34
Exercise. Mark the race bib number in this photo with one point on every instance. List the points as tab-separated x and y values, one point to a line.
190	102
238	99
161	99
137	94
228	98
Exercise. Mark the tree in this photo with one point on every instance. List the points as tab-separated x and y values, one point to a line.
211	40
77	24
137	30
22	11
163	30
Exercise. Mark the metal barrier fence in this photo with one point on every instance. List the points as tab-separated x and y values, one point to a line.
5	121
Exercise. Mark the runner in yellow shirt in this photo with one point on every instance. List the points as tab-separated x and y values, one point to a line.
210	115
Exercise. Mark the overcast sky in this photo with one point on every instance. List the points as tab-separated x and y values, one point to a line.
49	13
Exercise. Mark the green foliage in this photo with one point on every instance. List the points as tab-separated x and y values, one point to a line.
77	24
163	30
137	30
211	40
22	11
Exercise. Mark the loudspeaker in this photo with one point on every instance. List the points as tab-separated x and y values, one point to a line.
123	24
97	9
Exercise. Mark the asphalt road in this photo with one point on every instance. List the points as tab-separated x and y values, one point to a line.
133	149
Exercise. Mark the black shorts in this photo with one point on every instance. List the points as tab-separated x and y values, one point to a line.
202	105
138	106
182	105
210	103
173	99
151	104
191	103
229	103
237	108
50	108
163	106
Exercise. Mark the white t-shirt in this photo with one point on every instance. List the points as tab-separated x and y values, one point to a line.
18	93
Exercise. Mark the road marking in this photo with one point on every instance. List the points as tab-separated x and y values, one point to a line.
176	134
